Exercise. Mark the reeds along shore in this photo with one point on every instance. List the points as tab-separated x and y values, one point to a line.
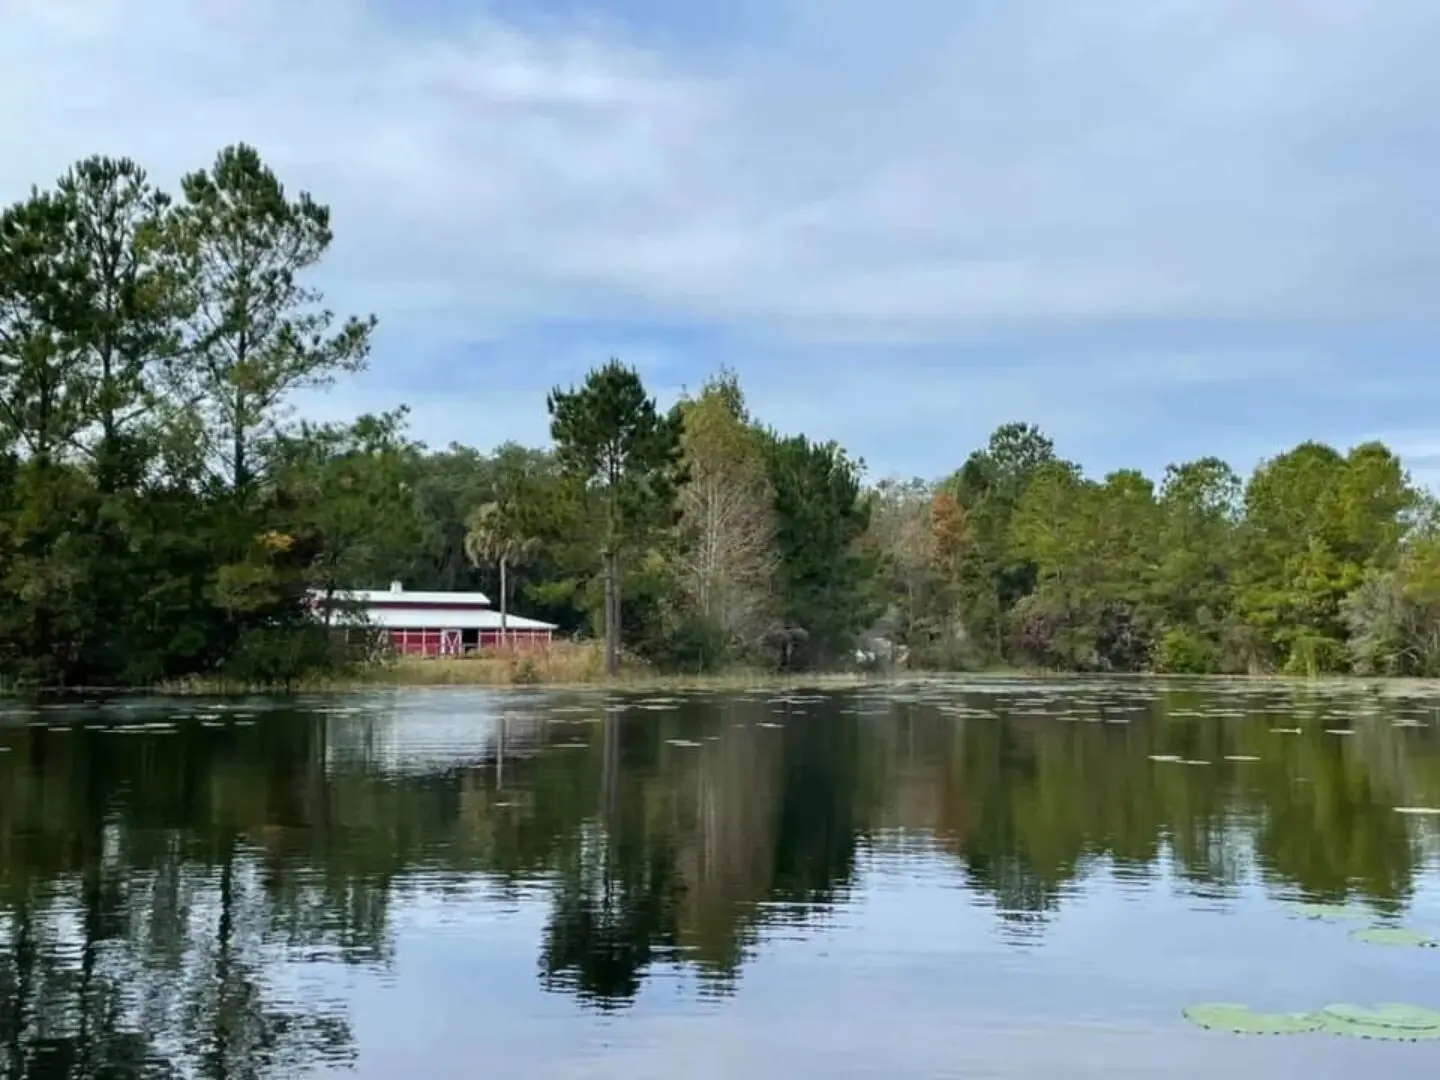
560	664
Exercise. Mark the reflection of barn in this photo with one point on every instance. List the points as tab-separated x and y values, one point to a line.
440	623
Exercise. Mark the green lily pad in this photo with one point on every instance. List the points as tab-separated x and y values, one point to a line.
1395	935
1327	911
1408	1023
1242	1020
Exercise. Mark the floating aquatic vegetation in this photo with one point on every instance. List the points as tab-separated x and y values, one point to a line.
1406	1023
1399	1023
1242	1020
1395	935
1328	912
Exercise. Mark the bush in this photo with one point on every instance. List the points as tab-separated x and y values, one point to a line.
525	671
1183	652
692	644
283	655
1312	653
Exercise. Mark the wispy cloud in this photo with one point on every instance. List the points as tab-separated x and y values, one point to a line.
1153	225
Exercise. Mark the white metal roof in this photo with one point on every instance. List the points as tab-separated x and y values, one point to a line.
393	596
402	618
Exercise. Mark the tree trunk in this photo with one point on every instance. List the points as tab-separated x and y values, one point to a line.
504	607
612	616
619	629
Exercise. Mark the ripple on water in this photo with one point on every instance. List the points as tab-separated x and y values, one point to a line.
911	879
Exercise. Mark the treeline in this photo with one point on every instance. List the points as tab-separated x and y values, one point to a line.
163	513
1320	562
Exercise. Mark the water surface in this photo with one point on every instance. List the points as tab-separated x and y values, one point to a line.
981	878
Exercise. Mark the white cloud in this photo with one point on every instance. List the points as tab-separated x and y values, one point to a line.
1053	160
849	172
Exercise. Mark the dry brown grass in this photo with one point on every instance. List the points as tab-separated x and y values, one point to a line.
562	664
569	664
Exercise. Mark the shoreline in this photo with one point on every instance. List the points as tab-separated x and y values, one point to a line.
576	668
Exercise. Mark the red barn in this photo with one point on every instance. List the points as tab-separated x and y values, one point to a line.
440	623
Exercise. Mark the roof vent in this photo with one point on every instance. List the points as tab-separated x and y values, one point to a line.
395	586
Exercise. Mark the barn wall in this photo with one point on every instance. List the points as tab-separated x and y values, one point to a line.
442	642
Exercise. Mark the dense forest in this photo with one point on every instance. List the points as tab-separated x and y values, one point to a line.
164	513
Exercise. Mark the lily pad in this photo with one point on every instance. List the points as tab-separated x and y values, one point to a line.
1327	911
1408	1023
1242	1020
1395	935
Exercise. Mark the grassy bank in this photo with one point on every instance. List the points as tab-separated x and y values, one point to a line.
564	664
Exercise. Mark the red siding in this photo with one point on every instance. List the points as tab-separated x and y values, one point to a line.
441	642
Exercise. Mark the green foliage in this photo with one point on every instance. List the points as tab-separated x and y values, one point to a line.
1395	936
613	443
828	582
1182	651
140	345
1322	563
1241	1020
1396	1023
163	515
257	334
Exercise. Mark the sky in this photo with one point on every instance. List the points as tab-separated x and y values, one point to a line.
1157	228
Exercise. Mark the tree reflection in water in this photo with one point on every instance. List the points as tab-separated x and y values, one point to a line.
168	900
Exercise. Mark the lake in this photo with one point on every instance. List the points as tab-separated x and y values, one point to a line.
932	878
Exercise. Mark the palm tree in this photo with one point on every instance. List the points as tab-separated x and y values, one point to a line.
495	534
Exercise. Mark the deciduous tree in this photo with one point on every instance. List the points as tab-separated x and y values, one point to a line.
727	559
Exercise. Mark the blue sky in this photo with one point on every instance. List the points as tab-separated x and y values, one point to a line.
1157	228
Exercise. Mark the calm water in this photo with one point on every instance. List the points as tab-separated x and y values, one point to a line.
941	879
